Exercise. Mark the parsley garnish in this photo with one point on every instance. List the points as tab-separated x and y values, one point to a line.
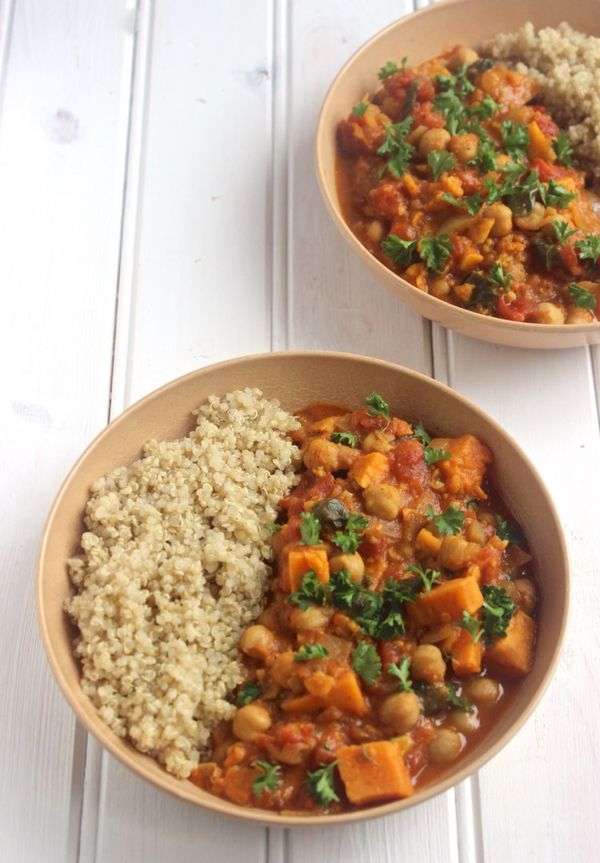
434	455
311	651
401	673
458	83
455	701
589	247
310	528
320	784
345	438
563	149
396	147
270	778
471	204
450	105
378	407
359	109
421	434
449	522
562	231
498	278
498	609
390	68
435	251
508	531
350	538
378	613
485	160
440	161
515	138
484	109
402	252
582	298
275	528
472	625
429	577
366	662
248	692
310	592
555	195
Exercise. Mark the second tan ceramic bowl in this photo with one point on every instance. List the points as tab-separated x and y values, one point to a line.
297	379
419	37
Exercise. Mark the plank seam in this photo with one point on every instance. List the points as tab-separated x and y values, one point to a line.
595	383
7	15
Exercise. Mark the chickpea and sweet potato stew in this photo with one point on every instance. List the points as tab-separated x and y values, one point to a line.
457	178
400	619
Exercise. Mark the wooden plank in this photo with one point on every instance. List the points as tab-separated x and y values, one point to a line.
545	783
64	96
195	287
334	304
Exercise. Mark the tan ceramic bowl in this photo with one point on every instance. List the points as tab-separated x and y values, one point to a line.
419	37
297	379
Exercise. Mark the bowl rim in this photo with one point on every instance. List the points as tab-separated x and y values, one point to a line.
334	208
187	791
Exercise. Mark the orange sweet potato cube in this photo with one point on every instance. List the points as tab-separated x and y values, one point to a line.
466	654
369	468
374	772
513	654
347	695
446	602
303	559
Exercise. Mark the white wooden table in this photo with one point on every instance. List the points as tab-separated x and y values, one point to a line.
158	212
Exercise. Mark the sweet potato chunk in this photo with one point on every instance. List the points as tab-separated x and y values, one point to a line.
446	602
466	654
346	694
374	772
463	472
539	146
306	703
369	468
303	559
513	654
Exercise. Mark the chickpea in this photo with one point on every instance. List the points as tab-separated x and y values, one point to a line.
576	315
503	219
483	690
312	617
400	710
439	287
549	313
251	721
428	664
416	134
352	563
456	552
258	641
375	231
461	56
284	671
328	456
383	500
377	441
445	746
528	594
464	721
475	532
532	221
433	139
464	147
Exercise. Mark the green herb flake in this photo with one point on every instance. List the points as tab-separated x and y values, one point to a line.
562	231
498	610
310	592
435	251
350	538
396	148
248	692
400	672
498	277
344	438
471	204
275	528
310	529
440	161
401	252
360	109
509	531
421	434
429	577
432	456
269	779
582	298
390	68
563	149
311	651
320	784
589	247
555	195
378	407
472	625
455	701
484	109
366	662
449	522
515	138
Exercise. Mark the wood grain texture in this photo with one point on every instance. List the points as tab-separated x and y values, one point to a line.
61	175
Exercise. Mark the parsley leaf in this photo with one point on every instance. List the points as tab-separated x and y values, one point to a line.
363	605
311	651
485	160
515	138
390	68
377	405
508	531
472	204
359	109
402	252
435	251
345	438
472	625
434	455
589	247
562	231
485	293
458	83
484	109
450	105
429	577
449	522
366	662
248	692
582	298
440	161
555	195
455	701
421	434
521	195
563	149
275	528
310	592
498	609
498	278
350	538
396	147
401	673
310	529
321	785
268	780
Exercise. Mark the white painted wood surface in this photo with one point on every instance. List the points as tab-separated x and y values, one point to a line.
158	212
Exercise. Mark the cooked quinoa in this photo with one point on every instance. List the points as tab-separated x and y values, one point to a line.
567	65
174	568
